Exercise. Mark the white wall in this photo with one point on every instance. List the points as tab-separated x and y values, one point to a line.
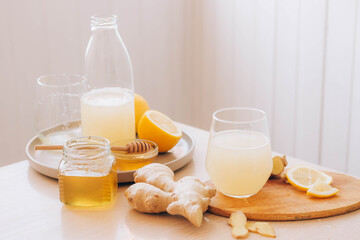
298	60
39	36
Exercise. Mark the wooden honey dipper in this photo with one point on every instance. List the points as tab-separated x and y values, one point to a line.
136	146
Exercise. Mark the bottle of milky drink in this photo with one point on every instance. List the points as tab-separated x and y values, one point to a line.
107	110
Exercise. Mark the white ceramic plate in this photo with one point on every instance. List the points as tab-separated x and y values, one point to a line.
47	162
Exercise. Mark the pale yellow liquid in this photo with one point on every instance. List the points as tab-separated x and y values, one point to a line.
239	162
108	113
82	189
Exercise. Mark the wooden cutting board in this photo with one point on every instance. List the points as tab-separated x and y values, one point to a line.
279	201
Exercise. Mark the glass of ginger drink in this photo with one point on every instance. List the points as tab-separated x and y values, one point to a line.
239	158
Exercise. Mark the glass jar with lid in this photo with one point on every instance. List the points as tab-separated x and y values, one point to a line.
107	110
87	172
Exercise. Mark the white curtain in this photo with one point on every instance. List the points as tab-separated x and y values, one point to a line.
297	60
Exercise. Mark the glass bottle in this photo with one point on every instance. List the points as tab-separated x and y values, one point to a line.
107	110
87	172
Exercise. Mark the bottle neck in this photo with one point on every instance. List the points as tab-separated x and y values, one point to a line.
104	22
87	150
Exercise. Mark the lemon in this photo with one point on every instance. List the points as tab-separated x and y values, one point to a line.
157	127
321	189
141	106
302	177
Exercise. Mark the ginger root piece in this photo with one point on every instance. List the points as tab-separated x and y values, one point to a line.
264	228
147	198
283	177
155	191
279	164
191	199
157	175
238	222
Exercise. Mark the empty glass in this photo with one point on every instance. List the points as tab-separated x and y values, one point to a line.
57	107
239	154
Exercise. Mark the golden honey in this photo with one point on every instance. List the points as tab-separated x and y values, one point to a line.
132	161
126	164
87	173
84	190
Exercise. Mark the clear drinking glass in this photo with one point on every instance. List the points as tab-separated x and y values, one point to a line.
239	158
57	107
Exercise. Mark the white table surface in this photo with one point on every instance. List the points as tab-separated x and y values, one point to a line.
30	209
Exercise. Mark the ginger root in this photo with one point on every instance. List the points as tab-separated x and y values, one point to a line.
238	222
279	164
157	175
283	177
156	191
154	200
191	198
264	228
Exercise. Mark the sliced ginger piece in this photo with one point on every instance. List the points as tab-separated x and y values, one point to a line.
279	164
238	222
263	228
283	177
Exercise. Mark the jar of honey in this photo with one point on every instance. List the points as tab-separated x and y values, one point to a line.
87	172
132	161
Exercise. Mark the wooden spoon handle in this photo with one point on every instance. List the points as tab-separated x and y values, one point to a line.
134	147
60	147
49	147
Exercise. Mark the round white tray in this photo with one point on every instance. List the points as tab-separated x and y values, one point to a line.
47	162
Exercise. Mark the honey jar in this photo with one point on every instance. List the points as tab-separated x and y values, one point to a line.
132	161
87	172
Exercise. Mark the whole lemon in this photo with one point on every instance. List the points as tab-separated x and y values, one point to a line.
141	106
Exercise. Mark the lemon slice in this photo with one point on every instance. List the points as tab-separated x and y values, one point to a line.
159	128
321	189
302	177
